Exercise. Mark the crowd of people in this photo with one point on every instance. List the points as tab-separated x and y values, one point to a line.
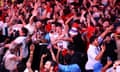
59	35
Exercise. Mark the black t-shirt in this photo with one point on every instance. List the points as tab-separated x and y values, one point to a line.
109	52
79	44
80	59
2	38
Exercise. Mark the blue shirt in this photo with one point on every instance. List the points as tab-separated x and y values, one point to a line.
69	68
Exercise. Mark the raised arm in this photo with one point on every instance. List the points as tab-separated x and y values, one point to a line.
53	55
106	31
41	61
58	54
99	56
55	58
28	64
100	39
21	18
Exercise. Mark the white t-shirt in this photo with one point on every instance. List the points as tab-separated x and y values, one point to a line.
62	43
1	24
31	28
3	28
10	64
21	39
92	52
17	27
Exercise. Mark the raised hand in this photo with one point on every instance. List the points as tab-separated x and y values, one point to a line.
44	55
103	47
